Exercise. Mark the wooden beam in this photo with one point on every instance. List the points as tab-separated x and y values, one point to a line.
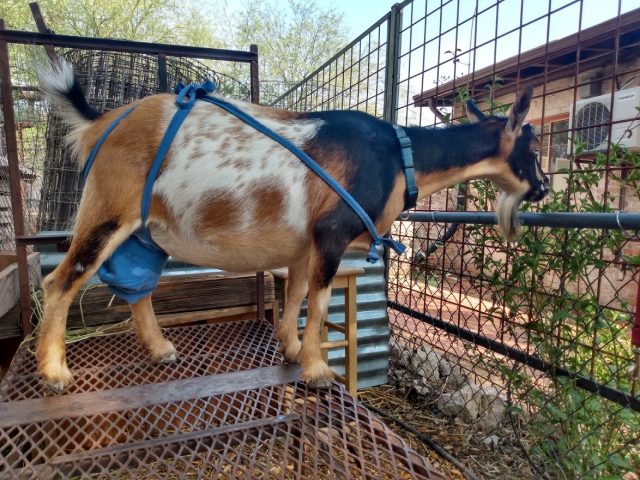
91	403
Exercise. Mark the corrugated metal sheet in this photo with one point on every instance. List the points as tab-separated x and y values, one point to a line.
373	323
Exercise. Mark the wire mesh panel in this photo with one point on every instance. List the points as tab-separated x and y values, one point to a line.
528	345
249	420
537	335
49	174
353	79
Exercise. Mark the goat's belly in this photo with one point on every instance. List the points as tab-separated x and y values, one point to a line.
248	252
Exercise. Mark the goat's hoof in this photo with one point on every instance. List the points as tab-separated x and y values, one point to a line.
168	358
320	384
56	382
319	376
166	354
291	351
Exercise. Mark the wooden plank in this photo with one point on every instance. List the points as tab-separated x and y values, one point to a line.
172	319
7	258
91	403
351	336
175	294
9	282
334	344
283	273
334	326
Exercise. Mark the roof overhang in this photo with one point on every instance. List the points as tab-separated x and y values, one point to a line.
582	51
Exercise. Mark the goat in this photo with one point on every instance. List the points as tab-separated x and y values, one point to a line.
229	197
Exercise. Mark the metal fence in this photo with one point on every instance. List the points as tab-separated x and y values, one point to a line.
38	178
523	348
112	74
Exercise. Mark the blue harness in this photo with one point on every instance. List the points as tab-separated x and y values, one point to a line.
134	269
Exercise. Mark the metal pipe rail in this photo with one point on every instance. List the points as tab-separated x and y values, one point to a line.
71	41
606	221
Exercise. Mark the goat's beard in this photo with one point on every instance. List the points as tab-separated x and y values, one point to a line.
507	212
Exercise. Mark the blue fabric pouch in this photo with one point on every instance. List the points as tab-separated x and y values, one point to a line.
133	271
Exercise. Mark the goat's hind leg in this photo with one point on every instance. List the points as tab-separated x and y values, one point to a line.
94	241
160	349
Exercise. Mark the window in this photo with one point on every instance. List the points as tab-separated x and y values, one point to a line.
554	154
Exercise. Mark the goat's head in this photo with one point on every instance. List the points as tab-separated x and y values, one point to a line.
519	174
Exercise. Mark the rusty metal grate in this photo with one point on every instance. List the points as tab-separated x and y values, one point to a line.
227	409
119	360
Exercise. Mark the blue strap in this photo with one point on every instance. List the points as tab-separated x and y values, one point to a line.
94	152
317	169
186	100
411	195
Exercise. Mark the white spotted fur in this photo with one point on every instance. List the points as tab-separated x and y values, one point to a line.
270	164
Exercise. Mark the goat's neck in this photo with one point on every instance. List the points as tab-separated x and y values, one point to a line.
444	157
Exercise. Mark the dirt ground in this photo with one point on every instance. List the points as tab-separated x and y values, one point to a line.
503	460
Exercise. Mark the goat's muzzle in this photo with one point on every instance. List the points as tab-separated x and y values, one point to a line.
537	193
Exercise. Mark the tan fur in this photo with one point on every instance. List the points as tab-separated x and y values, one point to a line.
50	351
314	370
321	198
296	292
149	333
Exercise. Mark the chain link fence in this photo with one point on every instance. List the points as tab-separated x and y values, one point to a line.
527	346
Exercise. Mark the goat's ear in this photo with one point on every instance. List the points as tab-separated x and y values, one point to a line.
473	113
519	110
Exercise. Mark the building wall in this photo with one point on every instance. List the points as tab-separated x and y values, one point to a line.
551	102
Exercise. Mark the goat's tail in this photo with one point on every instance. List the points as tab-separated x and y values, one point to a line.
61	84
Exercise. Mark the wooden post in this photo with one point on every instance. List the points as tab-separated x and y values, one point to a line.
15	185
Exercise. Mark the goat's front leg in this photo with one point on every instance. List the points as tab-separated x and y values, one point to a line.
160	349
92	244
322	268
297	289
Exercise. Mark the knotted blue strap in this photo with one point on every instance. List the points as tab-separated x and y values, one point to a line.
373	256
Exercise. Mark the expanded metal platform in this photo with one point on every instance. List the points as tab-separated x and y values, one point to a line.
228	408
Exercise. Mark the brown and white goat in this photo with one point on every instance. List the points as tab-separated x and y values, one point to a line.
229	197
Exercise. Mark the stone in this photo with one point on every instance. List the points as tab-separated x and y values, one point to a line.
423	387
493	408
456	378
401	357
444	367
424	363
399	377
462	404
491	441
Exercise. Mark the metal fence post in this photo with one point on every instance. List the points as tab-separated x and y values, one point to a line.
255	75
389	110
15	185
390	106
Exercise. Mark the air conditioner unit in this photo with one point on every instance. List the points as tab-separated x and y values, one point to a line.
597	111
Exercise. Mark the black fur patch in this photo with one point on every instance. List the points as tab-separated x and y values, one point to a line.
86	254
440	149
79	101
